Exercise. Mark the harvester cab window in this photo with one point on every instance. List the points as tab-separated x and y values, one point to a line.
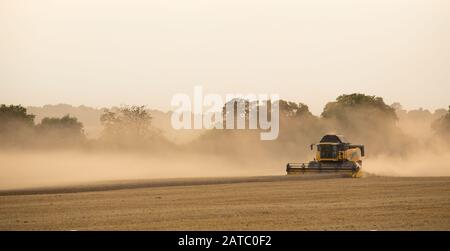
328	151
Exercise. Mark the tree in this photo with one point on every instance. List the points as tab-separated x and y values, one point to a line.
63	130
346	104
14	115
303	111
442	125
366	119
288	108
127	125
16	126
397	106
292	110
236	113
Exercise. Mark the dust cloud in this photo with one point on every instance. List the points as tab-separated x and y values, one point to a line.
59	168
421	151
418	164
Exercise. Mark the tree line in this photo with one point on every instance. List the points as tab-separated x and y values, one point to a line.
127	125
363	118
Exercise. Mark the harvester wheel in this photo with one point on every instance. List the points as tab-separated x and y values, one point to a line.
357	174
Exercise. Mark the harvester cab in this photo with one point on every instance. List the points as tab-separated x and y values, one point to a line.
334	154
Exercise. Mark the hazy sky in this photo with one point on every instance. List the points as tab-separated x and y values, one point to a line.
103	52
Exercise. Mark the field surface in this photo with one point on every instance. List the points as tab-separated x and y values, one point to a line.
246	203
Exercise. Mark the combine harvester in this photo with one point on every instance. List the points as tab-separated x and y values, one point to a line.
334	155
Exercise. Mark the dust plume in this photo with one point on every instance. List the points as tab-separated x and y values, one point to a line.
415	165
26	169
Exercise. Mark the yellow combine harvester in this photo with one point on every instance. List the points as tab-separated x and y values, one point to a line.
334	155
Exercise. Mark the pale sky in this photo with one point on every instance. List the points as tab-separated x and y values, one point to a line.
104	53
